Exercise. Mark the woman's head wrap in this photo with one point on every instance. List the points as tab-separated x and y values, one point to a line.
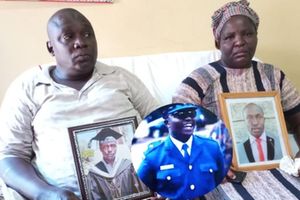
223	14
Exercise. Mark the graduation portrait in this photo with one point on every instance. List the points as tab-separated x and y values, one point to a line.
103	163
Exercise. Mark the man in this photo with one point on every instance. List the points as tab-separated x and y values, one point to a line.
112	177
108	146
260	146
183	166
35	153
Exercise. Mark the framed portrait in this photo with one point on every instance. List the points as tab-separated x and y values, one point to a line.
165	166
103	163
256	123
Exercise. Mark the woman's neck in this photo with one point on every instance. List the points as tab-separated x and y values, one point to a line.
231	66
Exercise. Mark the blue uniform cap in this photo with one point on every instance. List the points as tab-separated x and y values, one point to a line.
185	109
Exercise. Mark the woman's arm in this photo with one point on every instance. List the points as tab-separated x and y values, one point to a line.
294	122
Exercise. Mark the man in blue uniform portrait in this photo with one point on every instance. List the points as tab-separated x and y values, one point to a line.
183	165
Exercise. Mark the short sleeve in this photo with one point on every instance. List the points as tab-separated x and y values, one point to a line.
140	96
186	94
290	97
15	122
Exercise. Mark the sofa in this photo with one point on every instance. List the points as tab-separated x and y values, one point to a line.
155	71
162	73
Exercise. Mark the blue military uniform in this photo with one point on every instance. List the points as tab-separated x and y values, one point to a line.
165	171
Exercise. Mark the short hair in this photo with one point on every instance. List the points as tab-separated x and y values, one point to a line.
251	105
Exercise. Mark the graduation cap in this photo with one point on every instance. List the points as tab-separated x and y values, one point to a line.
105	135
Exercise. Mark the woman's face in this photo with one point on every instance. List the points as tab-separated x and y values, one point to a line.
237	42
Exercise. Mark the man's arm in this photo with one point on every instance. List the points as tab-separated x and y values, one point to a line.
141	98
21	176
16	138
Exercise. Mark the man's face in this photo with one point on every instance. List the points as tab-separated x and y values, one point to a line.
181	124
255	121
74	44
109	150
237	42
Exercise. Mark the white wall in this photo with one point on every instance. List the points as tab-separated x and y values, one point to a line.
136	27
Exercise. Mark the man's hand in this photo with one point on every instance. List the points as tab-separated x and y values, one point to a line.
22	177
57	194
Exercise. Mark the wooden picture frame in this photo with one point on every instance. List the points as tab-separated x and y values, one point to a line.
244	123
94	179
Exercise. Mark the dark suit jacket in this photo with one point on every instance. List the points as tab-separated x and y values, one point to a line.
270	149
165	171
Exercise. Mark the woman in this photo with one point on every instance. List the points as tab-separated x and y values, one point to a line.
235	32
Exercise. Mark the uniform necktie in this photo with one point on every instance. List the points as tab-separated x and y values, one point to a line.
259	148
186	154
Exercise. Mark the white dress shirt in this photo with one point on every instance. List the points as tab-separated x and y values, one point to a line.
254	146
179	144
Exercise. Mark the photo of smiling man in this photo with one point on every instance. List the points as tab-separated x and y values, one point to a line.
182	165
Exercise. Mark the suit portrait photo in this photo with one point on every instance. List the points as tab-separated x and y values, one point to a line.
258	132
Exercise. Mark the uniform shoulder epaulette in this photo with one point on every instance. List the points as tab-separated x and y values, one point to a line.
153	145
206	138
